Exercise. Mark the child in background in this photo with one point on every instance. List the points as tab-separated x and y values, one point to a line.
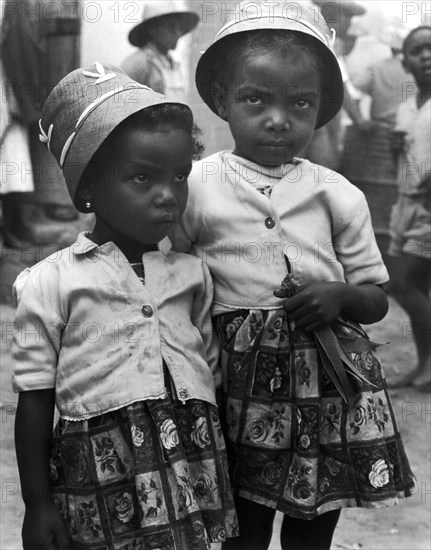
162	25
411	216
124	346
297	442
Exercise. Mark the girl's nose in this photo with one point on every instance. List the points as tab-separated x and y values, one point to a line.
426	52
166	196
278	120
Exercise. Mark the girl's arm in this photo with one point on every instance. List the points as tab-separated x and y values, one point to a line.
318	304
43	528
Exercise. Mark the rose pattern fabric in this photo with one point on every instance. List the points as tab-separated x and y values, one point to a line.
107	456
200	435
297	447
124	507
137	435
168	434
184	495
379	475
130	509
203	487
373	411
258	430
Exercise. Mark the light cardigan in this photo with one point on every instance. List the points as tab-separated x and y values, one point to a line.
88	327
314	216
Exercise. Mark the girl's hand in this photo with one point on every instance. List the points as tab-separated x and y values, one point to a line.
316	305
43	528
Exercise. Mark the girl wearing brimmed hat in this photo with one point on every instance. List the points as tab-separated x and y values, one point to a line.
123	343
163	23
309	424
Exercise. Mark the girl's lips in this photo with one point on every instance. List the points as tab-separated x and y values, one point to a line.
163	221
166	216
276	143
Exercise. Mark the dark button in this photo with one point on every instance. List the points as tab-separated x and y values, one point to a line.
183	393
269	222
147	311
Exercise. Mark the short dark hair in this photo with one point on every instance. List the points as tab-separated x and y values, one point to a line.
239	47
175	116
408	38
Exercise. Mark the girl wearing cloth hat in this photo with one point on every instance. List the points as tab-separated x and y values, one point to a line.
309	424
122	338
162	25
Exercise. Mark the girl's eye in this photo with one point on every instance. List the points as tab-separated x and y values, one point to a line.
254	100
302	103
141	179
182	177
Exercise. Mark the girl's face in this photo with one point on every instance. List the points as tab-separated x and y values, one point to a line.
271	104
143	191
166	32
417	56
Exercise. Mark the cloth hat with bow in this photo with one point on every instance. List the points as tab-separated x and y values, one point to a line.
83	109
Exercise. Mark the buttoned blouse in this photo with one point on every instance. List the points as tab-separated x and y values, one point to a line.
87	326
314	217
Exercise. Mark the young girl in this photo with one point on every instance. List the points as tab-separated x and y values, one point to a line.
156	36
304	438
411	216
121	339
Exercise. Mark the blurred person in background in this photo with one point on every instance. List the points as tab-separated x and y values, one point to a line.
410	245
40	44
16	174
325	146
367	159
156	36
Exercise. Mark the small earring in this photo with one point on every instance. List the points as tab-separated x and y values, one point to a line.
88	205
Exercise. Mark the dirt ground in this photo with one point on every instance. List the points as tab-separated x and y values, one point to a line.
404	527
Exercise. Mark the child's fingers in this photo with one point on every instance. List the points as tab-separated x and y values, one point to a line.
308	322
291	305
281	293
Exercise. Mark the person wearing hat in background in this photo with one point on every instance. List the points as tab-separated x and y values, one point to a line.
325	147
125	347
300	440
156	36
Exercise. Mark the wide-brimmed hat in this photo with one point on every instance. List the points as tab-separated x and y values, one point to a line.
331	9
156	9
301	17
83	109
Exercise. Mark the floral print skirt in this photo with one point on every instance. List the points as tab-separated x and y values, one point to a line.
293	443
150	476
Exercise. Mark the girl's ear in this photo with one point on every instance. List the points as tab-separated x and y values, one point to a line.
84	191
219	97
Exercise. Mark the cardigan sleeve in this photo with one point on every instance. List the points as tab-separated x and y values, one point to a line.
36	337
355	243
201	318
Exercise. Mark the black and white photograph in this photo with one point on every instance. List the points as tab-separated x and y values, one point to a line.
215	274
